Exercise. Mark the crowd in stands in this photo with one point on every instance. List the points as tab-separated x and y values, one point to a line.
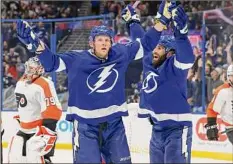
219	47
39	9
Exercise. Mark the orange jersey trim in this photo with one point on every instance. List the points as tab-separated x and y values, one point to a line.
210	112
31	125
52	111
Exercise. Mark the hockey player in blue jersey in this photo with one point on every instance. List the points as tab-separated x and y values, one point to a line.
96	82
163	95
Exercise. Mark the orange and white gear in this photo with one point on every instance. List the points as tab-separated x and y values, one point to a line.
37	103
230	74
221	103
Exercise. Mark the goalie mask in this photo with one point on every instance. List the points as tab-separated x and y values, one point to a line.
33	67
230	74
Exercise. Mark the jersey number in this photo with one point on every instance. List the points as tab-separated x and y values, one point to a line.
50	101
21	100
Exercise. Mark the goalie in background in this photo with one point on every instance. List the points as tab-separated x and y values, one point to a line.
221	104
39	111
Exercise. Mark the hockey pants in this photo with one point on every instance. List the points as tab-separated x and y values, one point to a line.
171	145
107	140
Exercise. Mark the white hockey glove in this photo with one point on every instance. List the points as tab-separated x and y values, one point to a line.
43	140
29	38
164	15
129	15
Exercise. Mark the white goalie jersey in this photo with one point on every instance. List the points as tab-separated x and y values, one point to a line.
36	101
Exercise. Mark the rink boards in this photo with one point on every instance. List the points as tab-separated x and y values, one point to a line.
138	132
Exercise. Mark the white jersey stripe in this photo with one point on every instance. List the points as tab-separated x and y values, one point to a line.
139	54
163	117
184	142
182	66
97	113
62	65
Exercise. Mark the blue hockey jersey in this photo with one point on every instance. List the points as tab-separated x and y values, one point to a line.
96	87
163	94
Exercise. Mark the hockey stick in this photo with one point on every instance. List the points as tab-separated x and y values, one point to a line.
227	130
136	4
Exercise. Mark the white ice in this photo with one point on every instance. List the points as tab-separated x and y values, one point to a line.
65	156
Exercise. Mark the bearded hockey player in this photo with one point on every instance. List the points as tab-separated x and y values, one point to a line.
163	95
96	82
221	104
39	111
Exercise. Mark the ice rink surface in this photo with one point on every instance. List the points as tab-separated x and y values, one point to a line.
65	156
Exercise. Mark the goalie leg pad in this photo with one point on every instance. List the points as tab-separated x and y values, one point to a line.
33	156
15	150
18	150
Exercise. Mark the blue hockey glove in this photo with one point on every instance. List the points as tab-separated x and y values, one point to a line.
163	14
129	15
28	37
180	20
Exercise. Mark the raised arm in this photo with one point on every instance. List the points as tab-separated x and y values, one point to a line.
229	50
150	39
50	61
184	57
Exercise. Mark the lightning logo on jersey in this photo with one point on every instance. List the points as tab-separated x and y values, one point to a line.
149	83
106	79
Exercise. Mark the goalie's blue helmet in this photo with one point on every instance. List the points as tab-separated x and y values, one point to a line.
100	30
168	42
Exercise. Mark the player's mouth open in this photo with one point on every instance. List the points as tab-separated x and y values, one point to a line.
155	57
103	49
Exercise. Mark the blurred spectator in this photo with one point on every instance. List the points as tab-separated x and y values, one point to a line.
11	59
208	69
190	87
196	51
213	82
120	27
197	96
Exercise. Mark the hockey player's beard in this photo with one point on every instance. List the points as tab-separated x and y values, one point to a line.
158	62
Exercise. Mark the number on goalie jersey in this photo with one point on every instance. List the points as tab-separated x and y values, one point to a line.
38	112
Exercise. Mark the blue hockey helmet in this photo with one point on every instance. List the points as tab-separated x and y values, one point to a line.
100	30
168	42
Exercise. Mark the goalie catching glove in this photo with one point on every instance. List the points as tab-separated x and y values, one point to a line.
29	38
43	140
